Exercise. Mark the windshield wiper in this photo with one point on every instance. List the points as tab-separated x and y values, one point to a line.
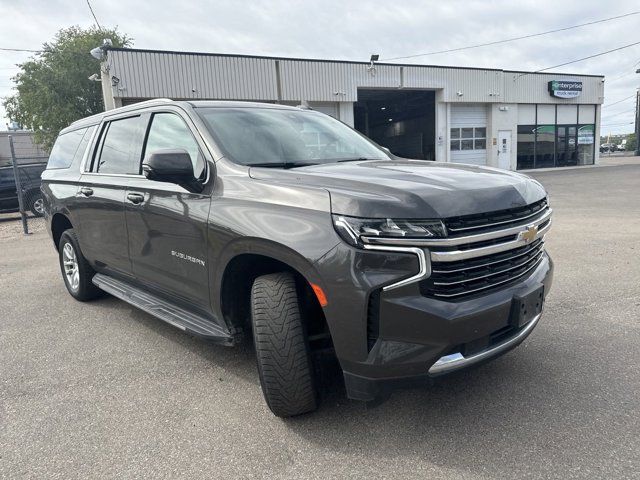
282	164
360	159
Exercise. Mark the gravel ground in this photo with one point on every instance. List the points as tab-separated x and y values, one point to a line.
102	390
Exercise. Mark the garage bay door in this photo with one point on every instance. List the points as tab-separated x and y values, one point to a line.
468	135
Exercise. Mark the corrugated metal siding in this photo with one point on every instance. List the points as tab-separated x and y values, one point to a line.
148	74
533	88
188	76
475	85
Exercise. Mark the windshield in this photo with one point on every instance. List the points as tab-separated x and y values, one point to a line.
287	138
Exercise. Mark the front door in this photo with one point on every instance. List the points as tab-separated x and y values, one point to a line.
504	149
167	225
8	195
567	153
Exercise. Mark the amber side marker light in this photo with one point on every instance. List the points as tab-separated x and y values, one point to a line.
322	298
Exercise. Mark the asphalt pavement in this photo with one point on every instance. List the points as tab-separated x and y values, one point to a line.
102	390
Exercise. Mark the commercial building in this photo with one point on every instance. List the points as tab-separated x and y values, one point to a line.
501	118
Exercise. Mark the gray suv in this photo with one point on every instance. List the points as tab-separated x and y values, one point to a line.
231	220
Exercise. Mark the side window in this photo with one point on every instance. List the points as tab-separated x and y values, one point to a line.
6	175
120	147
169	131
83	144
64	149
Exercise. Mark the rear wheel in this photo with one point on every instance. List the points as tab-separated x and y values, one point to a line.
37	205
282	348
76	271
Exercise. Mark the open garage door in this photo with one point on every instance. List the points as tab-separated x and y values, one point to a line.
401	120
468	134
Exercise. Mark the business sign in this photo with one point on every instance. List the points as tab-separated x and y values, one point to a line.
565	89
585	135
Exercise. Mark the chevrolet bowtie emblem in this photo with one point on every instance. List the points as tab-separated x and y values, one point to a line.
529	234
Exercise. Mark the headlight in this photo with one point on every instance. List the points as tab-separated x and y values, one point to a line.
354	229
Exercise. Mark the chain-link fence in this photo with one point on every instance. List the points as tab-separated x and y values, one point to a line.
21	165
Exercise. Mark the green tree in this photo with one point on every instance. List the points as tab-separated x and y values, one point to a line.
632	142
53	87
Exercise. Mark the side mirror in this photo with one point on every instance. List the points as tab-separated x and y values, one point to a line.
171	166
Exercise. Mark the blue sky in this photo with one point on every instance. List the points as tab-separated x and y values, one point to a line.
353	30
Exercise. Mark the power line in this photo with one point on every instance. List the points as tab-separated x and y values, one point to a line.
94	15
619	101
579	59
632	70
513	39
18	50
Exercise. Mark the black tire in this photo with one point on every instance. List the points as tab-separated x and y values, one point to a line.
37	205
282	348
84	290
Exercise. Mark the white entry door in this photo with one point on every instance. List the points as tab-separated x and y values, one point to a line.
504	149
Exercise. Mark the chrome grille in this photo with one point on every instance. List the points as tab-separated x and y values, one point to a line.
480	252
472	224
487	251
466	277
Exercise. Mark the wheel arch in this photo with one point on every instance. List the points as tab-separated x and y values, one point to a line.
248	259
59	223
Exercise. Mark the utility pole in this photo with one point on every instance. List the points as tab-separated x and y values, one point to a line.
637	152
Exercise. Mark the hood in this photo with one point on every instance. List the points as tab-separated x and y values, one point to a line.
411	188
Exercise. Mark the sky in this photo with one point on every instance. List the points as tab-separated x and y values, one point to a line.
353	30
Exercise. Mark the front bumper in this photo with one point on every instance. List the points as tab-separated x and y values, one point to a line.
412	338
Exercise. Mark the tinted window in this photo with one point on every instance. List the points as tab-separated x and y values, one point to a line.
65	148
6	175
120	150
266	135
169	131
34	172
84	144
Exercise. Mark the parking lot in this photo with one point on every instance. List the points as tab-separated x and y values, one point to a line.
103	390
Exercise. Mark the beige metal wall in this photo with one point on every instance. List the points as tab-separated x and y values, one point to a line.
149	74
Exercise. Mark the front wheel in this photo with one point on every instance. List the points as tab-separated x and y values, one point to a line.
282	347
76	271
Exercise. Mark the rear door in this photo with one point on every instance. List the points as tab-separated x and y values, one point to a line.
99	211
167	225
8	195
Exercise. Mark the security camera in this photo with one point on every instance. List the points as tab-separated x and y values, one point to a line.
97	53
95	78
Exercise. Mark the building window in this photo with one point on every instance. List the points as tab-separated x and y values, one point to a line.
567	141
468	138
545	146
586	144
526	146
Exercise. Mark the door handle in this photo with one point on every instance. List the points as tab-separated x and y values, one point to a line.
86	191
135	198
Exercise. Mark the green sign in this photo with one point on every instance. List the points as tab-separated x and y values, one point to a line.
565	89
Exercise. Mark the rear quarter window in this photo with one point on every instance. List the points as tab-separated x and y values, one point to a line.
69	147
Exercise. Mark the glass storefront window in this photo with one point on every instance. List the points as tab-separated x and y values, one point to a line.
526	144
545	146
586	144
557	144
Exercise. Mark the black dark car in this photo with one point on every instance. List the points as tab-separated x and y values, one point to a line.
281	224
30	183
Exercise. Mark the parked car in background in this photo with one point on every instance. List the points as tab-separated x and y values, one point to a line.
607	148
30	183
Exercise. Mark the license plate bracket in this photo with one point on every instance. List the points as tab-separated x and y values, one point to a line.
526	306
